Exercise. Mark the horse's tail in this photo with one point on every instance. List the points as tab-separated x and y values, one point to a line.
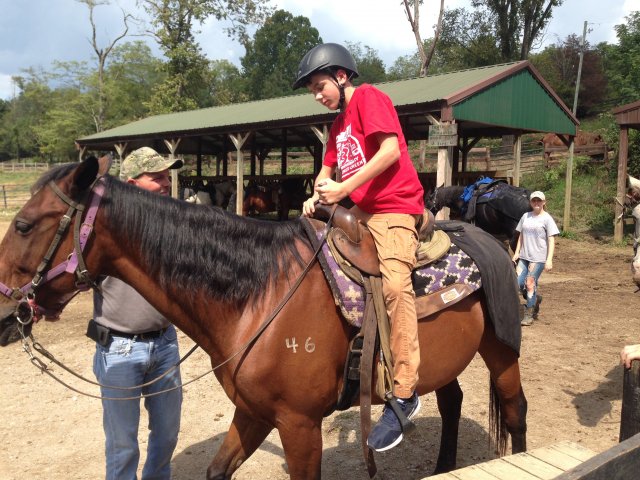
497	425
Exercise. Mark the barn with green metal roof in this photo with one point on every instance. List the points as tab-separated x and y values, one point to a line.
486	102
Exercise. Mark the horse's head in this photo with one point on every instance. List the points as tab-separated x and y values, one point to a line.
431	200
35	254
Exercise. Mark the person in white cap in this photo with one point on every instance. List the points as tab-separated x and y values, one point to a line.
136	344
534	252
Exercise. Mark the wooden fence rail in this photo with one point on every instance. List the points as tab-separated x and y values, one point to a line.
14	166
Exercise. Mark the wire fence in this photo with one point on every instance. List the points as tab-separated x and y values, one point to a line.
13	196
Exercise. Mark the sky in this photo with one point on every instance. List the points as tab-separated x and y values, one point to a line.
34	33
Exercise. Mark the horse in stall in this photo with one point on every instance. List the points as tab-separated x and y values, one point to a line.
496	214
219	291
289	194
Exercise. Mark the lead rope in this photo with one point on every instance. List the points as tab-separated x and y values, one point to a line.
44	369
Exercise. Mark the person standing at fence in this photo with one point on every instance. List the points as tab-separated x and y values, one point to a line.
534	252
367	145
136	344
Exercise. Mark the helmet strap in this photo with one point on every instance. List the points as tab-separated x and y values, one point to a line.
340	88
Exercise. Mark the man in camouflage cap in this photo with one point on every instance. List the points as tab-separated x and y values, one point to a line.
145	162
136	344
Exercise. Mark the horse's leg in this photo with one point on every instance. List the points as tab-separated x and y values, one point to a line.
245	435
301	438
503	365
449	400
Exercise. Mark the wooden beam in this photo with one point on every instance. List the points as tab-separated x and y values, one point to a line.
630	415
618	463
623	154
517	150
566	222
238	141
172	145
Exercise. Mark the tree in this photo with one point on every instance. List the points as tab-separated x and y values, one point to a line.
102	54
226	84
370	65
185	85
132	74
622	61
518	23
467	40
414	20
272	57
558	64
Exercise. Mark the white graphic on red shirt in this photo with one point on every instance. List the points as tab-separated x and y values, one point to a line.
350	154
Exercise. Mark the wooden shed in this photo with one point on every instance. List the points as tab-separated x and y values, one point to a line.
493	101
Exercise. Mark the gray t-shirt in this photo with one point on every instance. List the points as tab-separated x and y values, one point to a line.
534	230
122	308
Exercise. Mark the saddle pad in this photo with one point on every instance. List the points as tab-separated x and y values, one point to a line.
455	267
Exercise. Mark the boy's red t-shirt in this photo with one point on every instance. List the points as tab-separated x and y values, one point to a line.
352	142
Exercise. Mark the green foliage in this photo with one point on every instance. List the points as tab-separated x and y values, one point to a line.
622	61
558	64
272	57
370	65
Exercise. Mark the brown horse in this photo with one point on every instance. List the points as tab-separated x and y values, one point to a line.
219	291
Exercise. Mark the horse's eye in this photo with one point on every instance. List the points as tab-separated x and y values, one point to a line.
23	227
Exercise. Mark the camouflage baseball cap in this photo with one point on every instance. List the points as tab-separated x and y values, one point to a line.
145	160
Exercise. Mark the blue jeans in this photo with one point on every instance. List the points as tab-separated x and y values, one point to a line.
526	269
127	362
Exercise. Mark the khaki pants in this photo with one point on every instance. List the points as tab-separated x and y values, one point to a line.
396	240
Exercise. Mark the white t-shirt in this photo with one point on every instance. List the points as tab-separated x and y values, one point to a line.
534	231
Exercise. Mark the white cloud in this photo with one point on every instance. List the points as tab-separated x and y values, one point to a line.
7	88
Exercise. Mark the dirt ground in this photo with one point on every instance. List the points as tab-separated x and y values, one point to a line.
570	375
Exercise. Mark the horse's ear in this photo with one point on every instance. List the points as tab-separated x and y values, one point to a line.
441	185
104	164
85	174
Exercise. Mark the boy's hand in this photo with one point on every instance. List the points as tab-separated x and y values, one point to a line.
330	192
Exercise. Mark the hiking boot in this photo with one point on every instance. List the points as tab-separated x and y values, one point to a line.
387	433
536	307
527	319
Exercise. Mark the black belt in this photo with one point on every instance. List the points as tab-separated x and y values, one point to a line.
141	336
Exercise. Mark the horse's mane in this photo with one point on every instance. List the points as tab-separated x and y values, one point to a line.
54	173
201	248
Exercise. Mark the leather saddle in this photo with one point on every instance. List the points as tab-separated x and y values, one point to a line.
354	240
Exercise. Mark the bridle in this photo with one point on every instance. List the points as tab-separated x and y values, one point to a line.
27	310
26	295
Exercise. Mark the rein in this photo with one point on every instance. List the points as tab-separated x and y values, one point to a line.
38	363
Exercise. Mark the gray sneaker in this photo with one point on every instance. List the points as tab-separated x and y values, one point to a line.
387	433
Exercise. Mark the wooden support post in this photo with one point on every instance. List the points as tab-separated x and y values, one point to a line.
283	153
623	153
566	222
517	151
630	415
238	140
172	145
323	136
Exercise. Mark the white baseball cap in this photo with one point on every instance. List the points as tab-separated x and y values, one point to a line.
537	194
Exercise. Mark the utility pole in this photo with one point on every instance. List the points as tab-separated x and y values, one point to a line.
569	175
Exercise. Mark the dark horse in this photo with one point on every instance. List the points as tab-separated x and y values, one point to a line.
497	216
219	292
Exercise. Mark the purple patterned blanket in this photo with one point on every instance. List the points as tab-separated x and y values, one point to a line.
455	267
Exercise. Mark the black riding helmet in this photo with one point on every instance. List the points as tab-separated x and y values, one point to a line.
327	56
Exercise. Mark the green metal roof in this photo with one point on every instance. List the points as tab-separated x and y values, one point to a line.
511	95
